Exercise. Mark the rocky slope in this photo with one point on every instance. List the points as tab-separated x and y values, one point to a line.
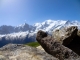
22	52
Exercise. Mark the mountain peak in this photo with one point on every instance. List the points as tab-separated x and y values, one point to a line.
47	25
49	20
22	25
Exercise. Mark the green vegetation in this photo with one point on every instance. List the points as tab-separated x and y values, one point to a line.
33	44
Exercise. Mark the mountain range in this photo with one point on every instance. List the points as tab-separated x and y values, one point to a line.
25	33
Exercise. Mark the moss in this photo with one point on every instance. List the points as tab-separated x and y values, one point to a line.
33	44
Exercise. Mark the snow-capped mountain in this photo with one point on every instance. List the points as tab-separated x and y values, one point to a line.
24	27
48	25
72	23
11	29
26	33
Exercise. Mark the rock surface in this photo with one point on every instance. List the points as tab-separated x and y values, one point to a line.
56	47
65	35
69	37
39	47
22	52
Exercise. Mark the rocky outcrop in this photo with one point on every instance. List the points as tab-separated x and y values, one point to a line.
65	35
22	52
69	37
62	44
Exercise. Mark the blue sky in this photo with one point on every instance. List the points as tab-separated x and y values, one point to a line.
16	12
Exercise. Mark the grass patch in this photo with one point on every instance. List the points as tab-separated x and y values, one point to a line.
33	44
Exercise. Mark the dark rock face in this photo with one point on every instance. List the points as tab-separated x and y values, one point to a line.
75	43
55	48
70	35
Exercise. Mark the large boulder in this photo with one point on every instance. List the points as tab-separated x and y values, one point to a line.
55	48
69	37
65	35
